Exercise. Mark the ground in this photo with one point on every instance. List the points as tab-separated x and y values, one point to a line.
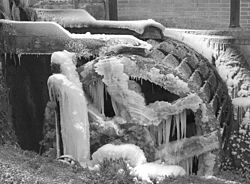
25	167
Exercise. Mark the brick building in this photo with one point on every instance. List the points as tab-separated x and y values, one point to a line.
196	14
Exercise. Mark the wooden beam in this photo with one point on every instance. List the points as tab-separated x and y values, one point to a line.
176	151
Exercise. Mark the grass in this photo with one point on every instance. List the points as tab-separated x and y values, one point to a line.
25	167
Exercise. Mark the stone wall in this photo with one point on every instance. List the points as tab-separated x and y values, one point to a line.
193	14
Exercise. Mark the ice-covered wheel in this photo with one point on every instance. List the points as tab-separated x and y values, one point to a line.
174	99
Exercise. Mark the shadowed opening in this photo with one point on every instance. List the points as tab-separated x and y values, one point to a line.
26	77
153	92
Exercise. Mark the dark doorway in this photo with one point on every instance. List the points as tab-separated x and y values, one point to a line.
26	77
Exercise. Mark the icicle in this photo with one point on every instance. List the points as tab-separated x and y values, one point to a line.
177	117
114	105
246	119
218	48
183	124
97	94
57	131
245	108
100	93
190	160
168	128
236	91
164	131
240	114
214	45
105	93
152	88
19	58
174	126
160	133
187	166
5	58
208	43
14	58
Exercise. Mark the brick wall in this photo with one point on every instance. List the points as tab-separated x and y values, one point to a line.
196	14
245	14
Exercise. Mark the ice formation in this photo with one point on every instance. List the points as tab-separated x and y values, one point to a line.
164	109
97	93
117	85
157	171
66	89
73	116
129	152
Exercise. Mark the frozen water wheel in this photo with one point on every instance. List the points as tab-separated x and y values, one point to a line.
173	92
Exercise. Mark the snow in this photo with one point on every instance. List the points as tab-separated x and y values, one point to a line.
164	109
66	61
129	152
246	119
73	116
38	28
205	115
221	180
65	17
180	85
135	25
157	171
170	81
114	39
81	18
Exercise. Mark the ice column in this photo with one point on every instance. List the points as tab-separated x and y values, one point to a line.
66	89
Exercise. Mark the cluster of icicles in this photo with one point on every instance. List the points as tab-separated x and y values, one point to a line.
180	128
180	124
98	93
241	106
